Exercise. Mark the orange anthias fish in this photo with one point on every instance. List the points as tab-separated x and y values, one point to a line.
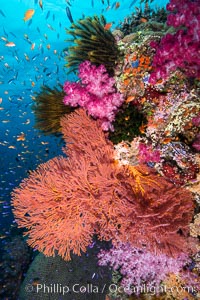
142	128
33	46
108	26
10	44
143	20
28	14
117	5
21	137
130	99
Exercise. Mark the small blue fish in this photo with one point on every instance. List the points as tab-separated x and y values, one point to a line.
135	64
13	34
113	5
69	15
134	1
30	22
5	32
68	2
2	13
48	14
35	56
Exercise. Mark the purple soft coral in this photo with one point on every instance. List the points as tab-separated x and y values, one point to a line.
96	93
179	50
139	267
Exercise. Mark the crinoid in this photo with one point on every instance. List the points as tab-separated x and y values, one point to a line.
92	42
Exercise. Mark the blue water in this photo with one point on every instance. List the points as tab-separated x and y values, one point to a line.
22	73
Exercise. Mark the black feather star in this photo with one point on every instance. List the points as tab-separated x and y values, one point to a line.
92	42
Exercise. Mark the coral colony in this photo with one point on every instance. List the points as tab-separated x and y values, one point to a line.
139	193
181	49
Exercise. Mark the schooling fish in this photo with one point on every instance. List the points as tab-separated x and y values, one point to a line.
69	15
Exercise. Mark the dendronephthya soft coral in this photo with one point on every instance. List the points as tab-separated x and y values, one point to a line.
181	49
95	93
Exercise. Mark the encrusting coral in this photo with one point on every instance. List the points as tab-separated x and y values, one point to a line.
68	200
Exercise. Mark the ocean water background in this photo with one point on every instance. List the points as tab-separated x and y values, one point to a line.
22	73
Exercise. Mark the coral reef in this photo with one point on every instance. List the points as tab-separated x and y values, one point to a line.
150	17
130	173
70	200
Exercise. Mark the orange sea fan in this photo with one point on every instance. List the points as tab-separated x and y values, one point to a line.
160	216
68	200
83	136
54	209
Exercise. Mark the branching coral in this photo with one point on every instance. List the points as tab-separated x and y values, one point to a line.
92	42
49	108
65	201
96	93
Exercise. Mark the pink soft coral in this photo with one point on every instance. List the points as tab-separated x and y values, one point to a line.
139	266
181	49
147	154
96	93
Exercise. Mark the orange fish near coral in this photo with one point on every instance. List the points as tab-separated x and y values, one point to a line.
143	20
28	14
130	99
108	26
166	140
142	128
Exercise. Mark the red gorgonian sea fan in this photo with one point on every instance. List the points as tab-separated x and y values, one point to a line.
68	200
